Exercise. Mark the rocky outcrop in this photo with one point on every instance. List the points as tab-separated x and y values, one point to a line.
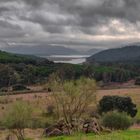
58	129
86	126
91	126
55	132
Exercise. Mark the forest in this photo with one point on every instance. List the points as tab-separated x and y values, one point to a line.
27	70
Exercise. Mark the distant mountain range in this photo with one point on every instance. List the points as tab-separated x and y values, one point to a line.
41	49
93	51
125	55
46	50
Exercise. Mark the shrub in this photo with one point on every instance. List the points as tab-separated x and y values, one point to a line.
18	118
116	121
4	89
49	89
137	82
19	87
50	109
121	104
37	123
5	100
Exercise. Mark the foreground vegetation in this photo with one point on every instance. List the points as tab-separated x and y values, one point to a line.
40	103
121	135
70	105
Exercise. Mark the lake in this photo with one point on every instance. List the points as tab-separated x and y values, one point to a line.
72	59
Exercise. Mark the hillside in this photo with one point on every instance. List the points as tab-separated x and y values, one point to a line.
124	55
40	49
93	51
6	58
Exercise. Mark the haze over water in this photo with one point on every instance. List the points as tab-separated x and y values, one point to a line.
72	59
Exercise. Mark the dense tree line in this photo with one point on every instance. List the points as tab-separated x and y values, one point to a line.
24	69
30	74
99	73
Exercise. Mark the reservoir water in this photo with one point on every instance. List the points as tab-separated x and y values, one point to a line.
72	59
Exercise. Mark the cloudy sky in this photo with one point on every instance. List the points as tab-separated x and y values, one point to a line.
72	23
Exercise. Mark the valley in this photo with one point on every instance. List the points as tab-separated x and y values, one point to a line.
69	70
57	84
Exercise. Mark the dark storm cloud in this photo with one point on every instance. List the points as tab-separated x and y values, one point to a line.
34	3
86	13
10	31
91	9
3	9
70	21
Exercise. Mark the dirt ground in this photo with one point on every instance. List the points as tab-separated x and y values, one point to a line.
132	92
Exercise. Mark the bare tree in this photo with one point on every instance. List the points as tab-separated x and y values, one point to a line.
72	99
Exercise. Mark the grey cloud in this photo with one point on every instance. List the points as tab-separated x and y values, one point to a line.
3	9
10	33
6	24
34	3
60	18
87	16
126	9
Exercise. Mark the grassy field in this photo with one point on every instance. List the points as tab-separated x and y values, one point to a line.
122	135
134	93
40	101
131	134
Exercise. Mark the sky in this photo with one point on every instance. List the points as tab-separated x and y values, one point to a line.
71	23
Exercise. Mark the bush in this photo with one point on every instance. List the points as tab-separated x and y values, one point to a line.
37	123
19	87
17	118
121	104
5	100
50	109
4	89
137	82
116	121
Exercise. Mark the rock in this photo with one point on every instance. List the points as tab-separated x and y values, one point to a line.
59	128
49	130
55	132
91	126
85	125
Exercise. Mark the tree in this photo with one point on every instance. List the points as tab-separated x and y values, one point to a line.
121	104
137	82
28	74
18	118
66	72
73	98
7	76
89	71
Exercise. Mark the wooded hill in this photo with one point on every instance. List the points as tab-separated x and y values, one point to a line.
126	55
6	57
28	70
